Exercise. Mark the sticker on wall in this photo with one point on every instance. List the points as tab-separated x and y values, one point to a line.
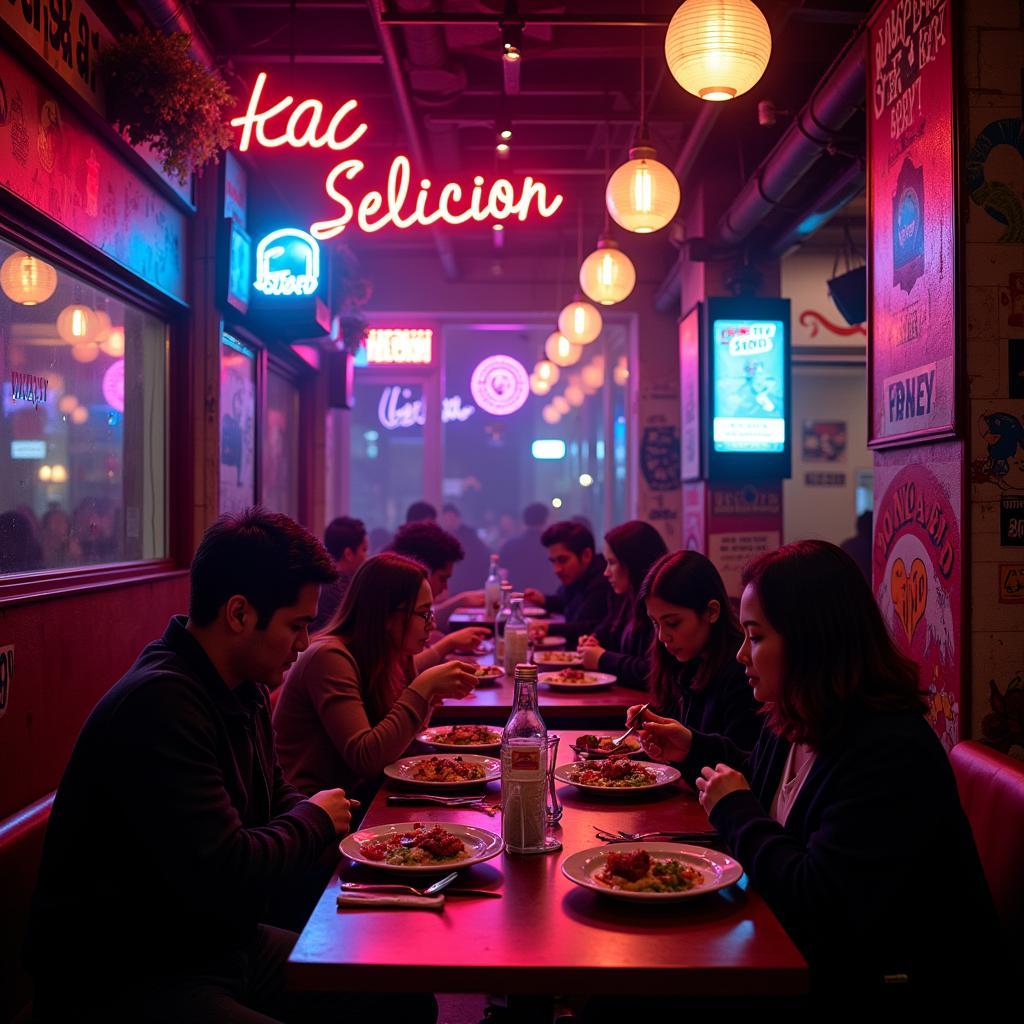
1011	521
6	676
908	216
732	551
1011	303
659	458
1003	726
824	441
998	448
824	479
999	199
1011	583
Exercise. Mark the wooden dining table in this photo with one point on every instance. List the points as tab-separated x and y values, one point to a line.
547	936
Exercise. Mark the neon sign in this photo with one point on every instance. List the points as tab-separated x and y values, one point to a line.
113	385
500	385
395	346
375	210
397	408
279	255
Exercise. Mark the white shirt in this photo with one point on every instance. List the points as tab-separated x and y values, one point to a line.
794	773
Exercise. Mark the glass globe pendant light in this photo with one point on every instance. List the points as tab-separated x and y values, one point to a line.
77	323
718	49
561	351
26	279
580	321
607	275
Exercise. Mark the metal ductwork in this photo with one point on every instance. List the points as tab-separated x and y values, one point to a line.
841	93
174	16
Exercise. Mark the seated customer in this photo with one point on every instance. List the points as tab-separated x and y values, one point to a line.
584	596
345	540
846	815
524	556
353	702
173	825
621	644
438	550
694	674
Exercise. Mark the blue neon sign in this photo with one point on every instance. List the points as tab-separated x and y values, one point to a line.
287	263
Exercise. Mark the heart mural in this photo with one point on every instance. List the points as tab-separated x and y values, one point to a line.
909	593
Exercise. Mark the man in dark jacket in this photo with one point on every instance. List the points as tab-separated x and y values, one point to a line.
173	825
585	594
524	556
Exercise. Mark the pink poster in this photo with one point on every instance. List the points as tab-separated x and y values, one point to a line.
911	195
917	569
689	393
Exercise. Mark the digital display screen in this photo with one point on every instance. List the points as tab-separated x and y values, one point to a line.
748	385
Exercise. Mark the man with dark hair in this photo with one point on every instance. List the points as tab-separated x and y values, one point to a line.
584	595
524	555
345	540
421	512
173	824
471	572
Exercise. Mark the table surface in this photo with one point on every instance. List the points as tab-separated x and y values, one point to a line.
547	935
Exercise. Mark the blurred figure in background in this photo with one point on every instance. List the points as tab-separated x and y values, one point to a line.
858	547
421	512
20	551
345	540
524	556
471	572
378	539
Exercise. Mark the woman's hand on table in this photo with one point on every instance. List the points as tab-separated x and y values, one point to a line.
591	656
663	739
455	679
468	639
714	783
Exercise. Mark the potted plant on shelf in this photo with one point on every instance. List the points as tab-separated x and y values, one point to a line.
350	291
157	93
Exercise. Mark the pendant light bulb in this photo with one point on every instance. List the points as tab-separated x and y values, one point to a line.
607	275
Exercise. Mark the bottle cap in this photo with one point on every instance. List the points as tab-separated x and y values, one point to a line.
524	670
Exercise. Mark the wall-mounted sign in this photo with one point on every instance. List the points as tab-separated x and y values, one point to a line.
113	385
301	126
28	387
1011	520
28	449
397	408
500	385
548	448
239	278
689	394
287	263
399	346
1011	583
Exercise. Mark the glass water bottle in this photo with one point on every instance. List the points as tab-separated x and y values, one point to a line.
524	769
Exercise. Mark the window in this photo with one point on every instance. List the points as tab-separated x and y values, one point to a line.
237	425
280	461
83	440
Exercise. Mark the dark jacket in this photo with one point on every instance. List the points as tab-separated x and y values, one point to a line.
725	706
584	603
171	827
627	649
875	872
526	560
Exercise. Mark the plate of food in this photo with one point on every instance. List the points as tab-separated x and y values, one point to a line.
418	847
440	770
487	675
602	746
617	774
557	659
462	737
576	679
655	872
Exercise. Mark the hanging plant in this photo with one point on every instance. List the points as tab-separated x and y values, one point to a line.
350	291
157	93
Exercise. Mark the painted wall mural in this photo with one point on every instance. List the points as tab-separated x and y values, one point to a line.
1001	200
911	209
917	570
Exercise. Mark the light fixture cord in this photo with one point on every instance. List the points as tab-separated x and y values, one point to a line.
643	76
607	172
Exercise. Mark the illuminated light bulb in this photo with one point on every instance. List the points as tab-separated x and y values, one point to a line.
580	322
67	404
85	352
114	344
497	227
539	387
77	323
101	325
59	474
621	373
27	280
80	415
547	371
586	480
574	395
561	351
718	49
550	415
45	473
502	147
559	403
642	194
505	133
607	275
593	376
556	502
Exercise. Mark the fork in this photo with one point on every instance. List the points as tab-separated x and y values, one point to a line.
634	723
430	890
634	837
445	801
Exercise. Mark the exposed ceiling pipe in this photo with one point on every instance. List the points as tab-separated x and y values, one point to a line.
836	99
174	16
443	244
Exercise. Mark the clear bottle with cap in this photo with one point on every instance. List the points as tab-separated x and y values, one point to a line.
492	591
516	637
524	769
500	622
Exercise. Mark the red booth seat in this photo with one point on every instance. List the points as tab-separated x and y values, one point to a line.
992	793
21	848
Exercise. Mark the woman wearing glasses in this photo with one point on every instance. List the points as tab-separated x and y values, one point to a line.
357	696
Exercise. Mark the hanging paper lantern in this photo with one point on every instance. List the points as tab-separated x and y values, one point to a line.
114	343
718	49
561	351
80	415
621	372
26	279
607	275
539	387
574	395
85	352
593	375
547	371
580	322
550	415
67	404
559	403
77	323
643	194
59	474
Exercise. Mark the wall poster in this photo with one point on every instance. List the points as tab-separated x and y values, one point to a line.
911	208
689	393
237	425
917	570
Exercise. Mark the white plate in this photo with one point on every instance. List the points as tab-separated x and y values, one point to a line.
557	659
719	869
430	736
590	681
534	611
481	844
402	771
664	773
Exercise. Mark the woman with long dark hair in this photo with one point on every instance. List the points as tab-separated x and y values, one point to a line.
694	676
353	702
621	644
845	815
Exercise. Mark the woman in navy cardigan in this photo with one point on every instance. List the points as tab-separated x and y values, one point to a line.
621	644
845	815
695	678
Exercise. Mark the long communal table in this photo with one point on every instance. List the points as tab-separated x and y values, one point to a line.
547	936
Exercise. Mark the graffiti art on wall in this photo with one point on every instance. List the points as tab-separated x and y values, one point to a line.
917	574
1001	200
1001	435
815	321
